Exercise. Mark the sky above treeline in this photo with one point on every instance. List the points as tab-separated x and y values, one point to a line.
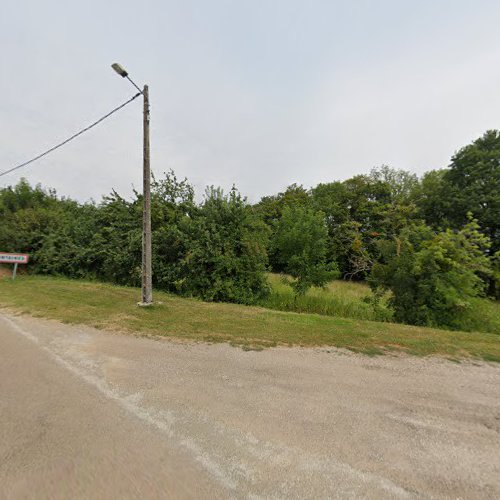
260	94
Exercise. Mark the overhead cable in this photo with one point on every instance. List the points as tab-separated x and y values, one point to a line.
74	136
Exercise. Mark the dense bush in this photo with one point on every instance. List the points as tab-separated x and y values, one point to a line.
226	250
433	277
216	250
300	244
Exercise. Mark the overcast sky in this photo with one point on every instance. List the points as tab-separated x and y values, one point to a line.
256	93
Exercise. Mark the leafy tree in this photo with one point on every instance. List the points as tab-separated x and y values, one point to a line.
173	208
402	183
358	212
333	200
431	197
28	215
473	185
217	249
270	208
300	244
226	250
23	197
432	276
115	247
366	200
65	248
359	256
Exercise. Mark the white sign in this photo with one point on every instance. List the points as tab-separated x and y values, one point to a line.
14	258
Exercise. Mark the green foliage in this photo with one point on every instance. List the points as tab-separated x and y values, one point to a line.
24	197
411	236
470	185
344	299
173	210
226	256
360	211
495	277
300	244
270	208
34	221
216	251
402	184
482	315
473	183
433	276
431	198
65	249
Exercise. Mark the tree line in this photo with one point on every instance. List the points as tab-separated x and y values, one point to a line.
432	242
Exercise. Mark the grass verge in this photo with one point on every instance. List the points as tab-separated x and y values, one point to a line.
114	308
347	299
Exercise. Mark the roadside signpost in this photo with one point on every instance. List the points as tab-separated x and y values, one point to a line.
14	258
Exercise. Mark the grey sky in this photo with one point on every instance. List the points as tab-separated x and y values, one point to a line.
256	93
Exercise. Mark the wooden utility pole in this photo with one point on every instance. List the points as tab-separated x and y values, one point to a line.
147	274
147	280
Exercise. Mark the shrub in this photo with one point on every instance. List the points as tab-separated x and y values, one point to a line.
300	245
433	277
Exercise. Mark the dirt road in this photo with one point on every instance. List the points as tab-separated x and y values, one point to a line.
90	414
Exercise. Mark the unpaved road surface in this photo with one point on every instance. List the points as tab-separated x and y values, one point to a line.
91	414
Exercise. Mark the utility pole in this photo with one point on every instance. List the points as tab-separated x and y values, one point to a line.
147	281
147	274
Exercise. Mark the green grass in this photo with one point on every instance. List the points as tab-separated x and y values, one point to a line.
482	316
347	299
340	298
114	308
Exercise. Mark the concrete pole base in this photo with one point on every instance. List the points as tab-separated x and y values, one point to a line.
144	304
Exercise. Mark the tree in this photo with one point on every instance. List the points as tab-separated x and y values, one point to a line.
116	244
474	185
226	250
65	248
270	208
358	211
28	215
172	209
300	245
432	199
432	276
402	183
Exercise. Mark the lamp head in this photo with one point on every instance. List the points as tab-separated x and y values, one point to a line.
119	69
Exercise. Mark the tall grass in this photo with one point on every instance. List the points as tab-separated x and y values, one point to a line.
346	299
339	298
483	315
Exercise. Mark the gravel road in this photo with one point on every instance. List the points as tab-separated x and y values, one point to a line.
92	414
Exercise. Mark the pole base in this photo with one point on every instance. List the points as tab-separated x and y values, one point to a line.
144	304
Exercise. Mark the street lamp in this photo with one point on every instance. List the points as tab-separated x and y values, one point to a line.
147	284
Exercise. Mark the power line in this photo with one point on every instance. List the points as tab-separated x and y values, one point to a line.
70	138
